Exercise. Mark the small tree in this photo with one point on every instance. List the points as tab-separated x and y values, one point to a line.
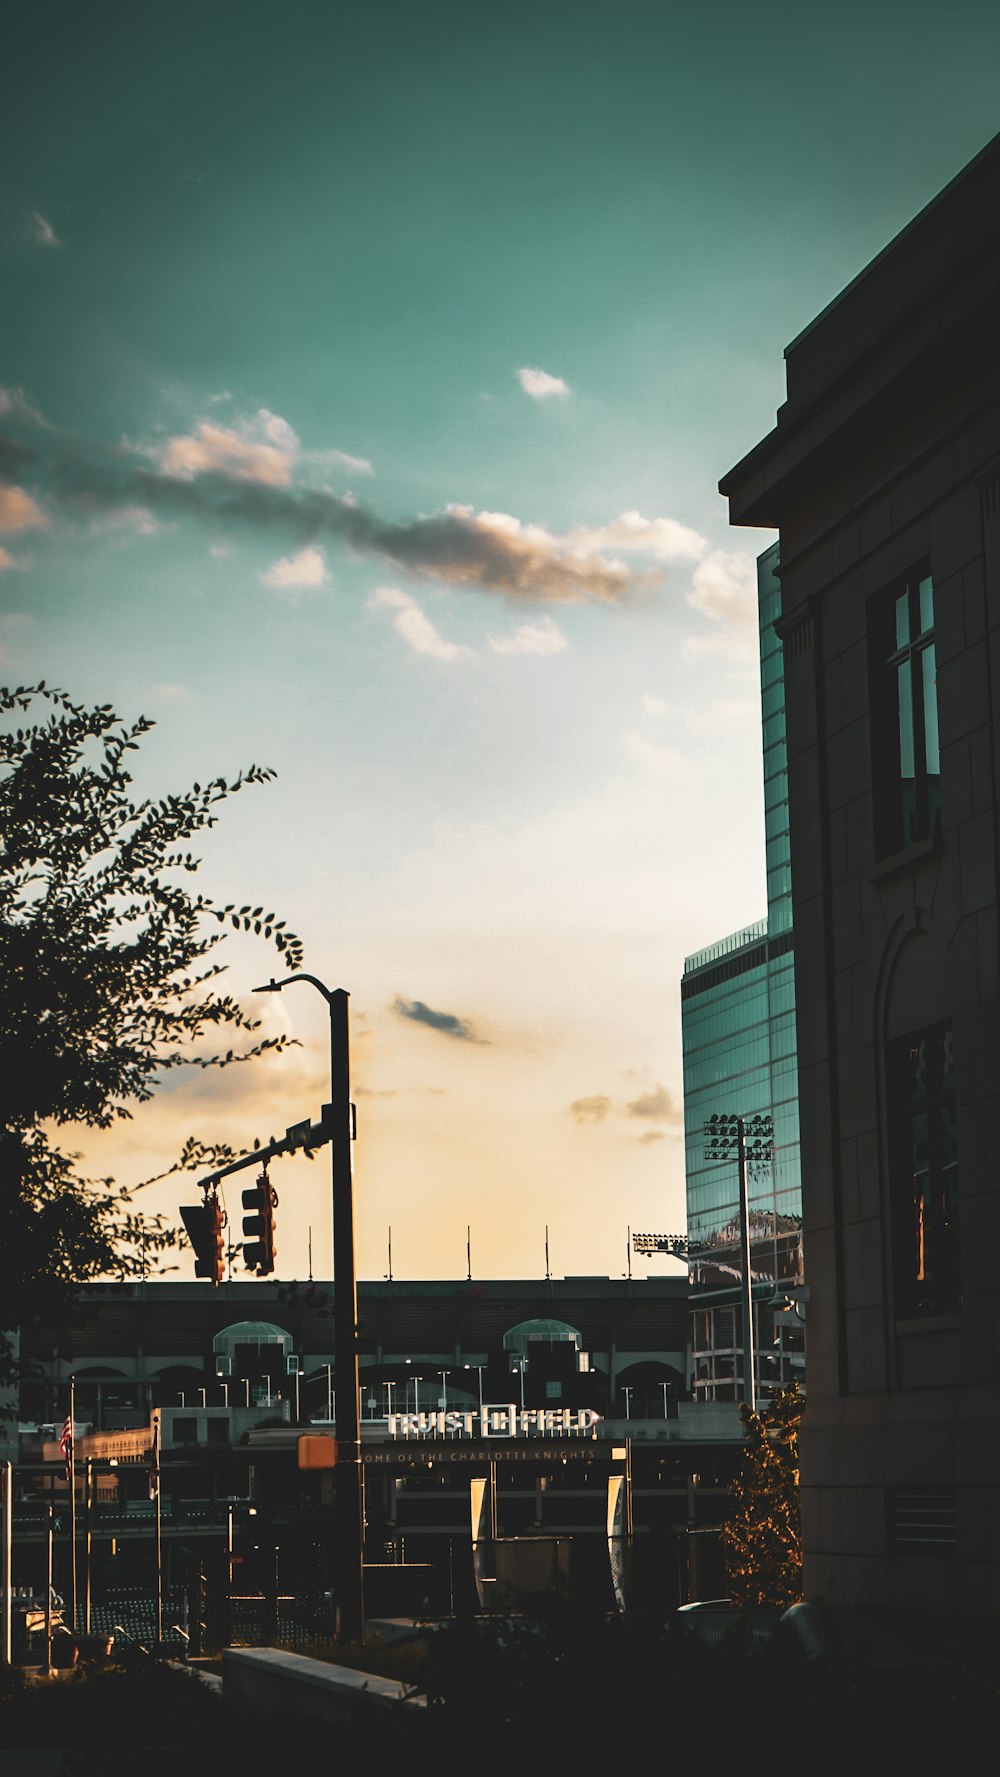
762	1541
107	979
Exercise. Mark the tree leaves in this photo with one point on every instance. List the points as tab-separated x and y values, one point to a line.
107	977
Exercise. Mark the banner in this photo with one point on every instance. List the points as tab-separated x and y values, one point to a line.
616	1536
480	1496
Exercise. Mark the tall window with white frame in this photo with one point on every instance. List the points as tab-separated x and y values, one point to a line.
924	1162
906	765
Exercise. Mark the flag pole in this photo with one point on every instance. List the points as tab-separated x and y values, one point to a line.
48	1586
71	1477
159	1530
88	1521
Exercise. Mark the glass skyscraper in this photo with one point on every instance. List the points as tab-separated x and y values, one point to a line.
738	1034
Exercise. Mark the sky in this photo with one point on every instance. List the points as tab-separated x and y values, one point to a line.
368	375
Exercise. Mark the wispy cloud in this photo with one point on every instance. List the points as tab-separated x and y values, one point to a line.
650	1135
43	232
663	539
7	561
337	459
414	625
173	693
590	1110
542	386
136	519
307	569
653	706
532	638
643	752
448	1023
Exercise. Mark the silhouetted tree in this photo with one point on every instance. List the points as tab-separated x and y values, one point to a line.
107	979
762	1540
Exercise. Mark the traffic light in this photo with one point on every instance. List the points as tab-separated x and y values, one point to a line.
205	1223
258	1251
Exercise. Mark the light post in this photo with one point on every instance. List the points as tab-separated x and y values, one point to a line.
347	1474
664	1386
627	1392
443	1398
479	1368
725	1134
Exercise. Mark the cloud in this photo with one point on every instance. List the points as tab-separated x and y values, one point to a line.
590	1110
128	518
262	449
541	386
658	1105
446	1022
725	588
18	511
252	474
650	1135
7	561
665	539
337	459
14	405
532	638
173	693
642	752
308	568
653	706
43	231
413	625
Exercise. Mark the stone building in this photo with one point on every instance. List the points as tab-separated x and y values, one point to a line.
882	477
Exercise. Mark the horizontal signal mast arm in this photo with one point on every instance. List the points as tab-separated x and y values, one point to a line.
299	1135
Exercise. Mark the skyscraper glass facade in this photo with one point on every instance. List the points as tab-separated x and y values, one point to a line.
738	1032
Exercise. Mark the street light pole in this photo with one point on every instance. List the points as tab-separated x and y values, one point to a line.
749	1378
725	1131
347	1473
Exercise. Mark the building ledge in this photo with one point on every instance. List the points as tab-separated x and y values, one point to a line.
908	859
928	1323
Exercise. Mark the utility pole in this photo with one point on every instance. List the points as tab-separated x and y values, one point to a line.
347	1474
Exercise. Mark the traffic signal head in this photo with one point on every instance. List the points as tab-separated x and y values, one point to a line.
205	1223
259	1248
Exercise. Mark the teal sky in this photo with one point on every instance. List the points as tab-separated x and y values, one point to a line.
374	370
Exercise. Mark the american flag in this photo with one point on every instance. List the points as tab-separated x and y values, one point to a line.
66	1446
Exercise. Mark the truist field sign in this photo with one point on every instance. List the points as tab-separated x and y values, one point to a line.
497	1422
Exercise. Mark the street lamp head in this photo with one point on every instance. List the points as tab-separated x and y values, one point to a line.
271	987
